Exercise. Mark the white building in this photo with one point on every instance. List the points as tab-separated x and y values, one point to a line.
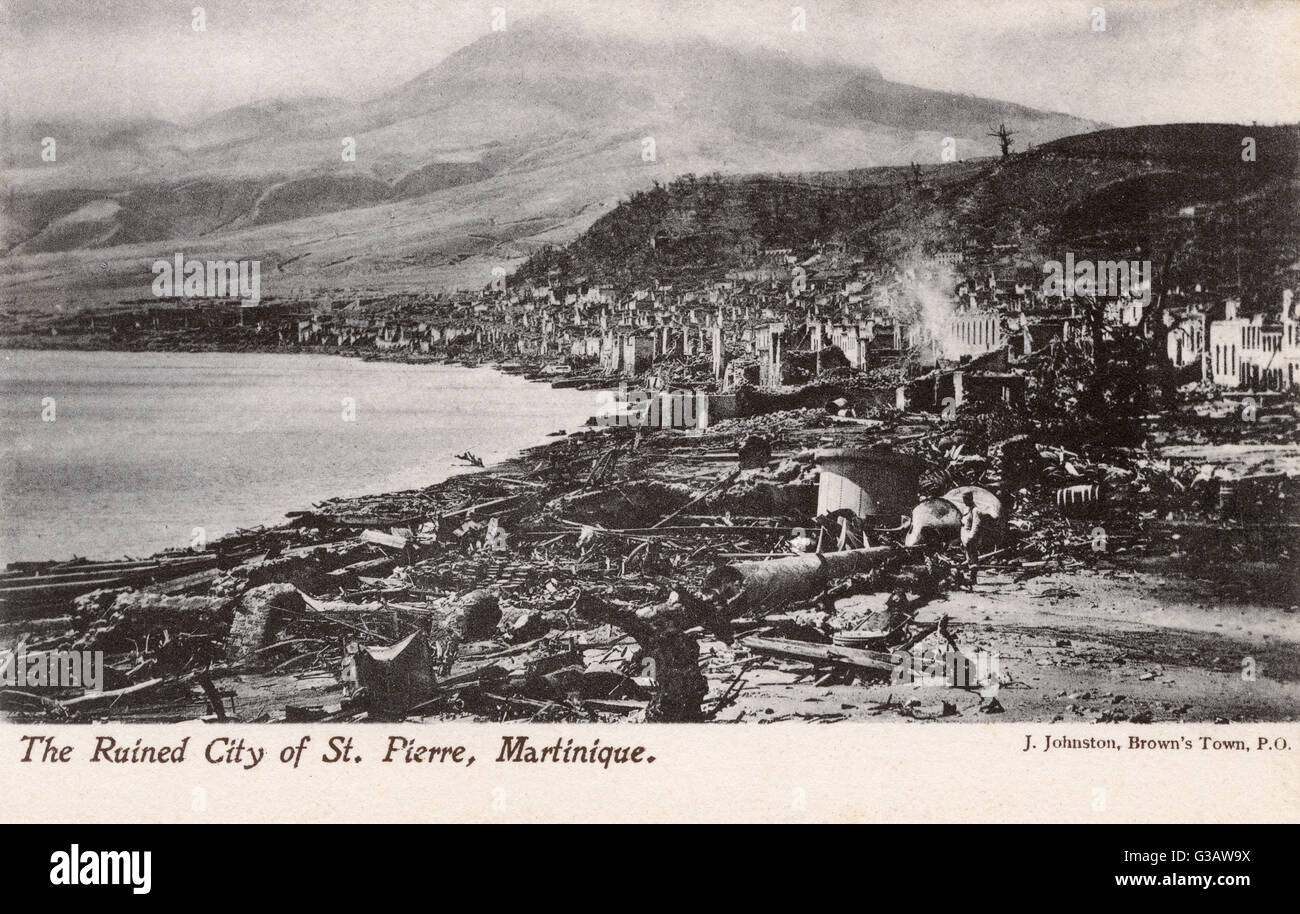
1227	337
1247	352
1288	361
1185	341
972	332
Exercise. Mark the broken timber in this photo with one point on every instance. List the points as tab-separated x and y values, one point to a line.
759	586
847	658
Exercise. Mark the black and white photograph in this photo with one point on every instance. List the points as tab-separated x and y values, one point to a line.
586	362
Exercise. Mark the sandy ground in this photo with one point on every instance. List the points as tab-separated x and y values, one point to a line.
1131	643
1095	645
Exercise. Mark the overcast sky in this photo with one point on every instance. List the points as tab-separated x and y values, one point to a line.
1157	60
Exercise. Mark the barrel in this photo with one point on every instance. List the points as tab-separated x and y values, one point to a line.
859	639
879	483
1228	495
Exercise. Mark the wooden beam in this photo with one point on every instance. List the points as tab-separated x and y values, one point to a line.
821	654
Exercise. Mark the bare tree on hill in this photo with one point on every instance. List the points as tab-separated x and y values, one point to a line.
1004	138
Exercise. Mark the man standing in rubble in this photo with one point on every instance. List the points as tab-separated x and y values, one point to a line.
973	527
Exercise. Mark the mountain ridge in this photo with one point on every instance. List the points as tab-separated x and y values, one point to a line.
514	141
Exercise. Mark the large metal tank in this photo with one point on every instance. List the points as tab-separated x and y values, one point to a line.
868	482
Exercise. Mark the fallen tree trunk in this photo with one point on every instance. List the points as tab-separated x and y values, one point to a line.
762	586
661	632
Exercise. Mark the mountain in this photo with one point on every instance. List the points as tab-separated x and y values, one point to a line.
522	138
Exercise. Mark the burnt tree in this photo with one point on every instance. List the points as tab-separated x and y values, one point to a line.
1003	136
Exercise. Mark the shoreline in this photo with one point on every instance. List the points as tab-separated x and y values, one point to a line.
477	358
241	533
407	358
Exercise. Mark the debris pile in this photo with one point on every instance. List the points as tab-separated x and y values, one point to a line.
625	574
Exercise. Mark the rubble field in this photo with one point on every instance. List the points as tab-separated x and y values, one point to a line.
629	574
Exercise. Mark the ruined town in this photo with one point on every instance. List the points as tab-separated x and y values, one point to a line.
841	469
905	405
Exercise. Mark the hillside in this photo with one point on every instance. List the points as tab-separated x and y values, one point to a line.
522	138
1180	191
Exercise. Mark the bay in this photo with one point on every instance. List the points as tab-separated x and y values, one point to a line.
145	447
